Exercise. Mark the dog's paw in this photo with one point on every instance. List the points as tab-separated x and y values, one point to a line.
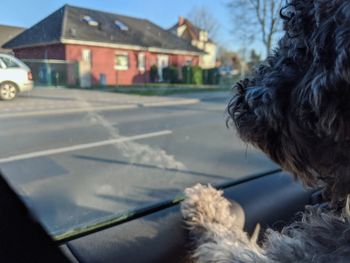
204	205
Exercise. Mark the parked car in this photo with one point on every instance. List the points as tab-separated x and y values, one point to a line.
15	77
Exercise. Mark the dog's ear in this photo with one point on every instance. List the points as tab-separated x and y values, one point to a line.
325	108
328	93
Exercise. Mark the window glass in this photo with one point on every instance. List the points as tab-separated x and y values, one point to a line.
141	61
2	64
90	21
121	25
127	106
86	54
9	63
122	61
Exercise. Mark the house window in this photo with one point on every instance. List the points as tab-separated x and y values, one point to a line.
121	25
86	55
188	61
141	61
121	61
90	21
203	36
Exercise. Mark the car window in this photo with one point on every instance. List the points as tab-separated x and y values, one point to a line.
2	64
9	63
123	106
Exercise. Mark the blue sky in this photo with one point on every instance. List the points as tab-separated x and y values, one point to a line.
163	12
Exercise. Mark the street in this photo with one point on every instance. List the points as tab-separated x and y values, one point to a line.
77	159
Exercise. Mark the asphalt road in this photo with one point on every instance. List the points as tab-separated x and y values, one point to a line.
76	168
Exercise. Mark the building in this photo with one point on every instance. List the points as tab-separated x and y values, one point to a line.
6	34
199	38
109	48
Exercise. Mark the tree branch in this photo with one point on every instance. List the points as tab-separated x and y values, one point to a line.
261	15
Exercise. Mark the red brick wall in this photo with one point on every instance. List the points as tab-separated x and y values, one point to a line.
103	60
56	51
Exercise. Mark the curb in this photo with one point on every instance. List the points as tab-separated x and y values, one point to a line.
170	103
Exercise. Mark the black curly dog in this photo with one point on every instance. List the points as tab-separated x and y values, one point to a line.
296	108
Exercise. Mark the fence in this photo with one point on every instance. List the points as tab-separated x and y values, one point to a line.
50	72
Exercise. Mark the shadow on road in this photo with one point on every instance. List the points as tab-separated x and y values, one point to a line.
148	166
49	97
69	99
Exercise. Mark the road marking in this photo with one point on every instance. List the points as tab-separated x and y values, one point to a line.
47	111
82	146
64	111
170	103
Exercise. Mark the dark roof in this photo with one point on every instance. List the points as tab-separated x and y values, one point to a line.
67	23
7	33
47	30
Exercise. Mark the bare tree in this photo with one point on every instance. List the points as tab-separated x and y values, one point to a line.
252	18
201	17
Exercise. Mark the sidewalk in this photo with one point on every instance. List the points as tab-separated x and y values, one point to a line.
205	96
60	100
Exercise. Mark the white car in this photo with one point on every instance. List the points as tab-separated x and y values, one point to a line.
15	77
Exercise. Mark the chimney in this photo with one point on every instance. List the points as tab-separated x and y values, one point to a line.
181	20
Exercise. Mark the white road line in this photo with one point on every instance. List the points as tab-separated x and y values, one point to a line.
82	146
46	111
64	111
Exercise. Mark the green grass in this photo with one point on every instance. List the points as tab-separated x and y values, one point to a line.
159	89
165	92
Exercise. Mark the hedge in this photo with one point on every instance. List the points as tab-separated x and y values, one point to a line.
153	74
190	75
211	76
171	74
197	75
187	74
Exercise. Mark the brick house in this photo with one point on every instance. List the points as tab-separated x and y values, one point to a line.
109	48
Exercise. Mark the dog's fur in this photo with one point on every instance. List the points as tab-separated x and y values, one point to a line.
296	108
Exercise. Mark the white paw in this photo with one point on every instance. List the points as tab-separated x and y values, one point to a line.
204	205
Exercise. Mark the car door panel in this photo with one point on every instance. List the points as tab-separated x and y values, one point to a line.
161	237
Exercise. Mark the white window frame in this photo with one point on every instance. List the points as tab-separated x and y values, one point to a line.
86	55
121	67
141	61
162	58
